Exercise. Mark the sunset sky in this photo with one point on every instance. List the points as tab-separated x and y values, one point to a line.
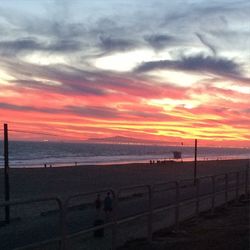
148	69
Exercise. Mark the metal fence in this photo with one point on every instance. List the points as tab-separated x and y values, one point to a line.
214	190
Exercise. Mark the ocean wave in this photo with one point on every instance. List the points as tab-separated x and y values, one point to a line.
36	154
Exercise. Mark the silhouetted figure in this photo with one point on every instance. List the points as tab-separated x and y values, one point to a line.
98	221
98	202
107	204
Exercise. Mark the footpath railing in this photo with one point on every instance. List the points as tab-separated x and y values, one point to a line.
227	187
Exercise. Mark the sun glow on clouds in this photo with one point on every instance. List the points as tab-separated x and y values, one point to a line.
122	61
42	58
168	104
234	87
108	73
47	82
127	61
5	78
178	78
9	93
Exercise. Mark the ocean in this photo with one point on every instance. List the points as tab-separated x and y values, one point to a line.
57	154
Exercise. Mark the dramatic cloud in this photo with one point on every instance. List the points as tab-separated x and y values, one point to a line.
161	70
94	111
160	41
200	63
206	43
28	44
89	111
115	44
27	108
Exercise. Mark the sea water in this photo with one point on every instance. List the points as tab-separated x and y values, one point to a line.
56	154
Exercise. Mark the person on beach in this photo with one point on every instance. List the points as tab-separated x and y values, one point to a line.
107	204
98	219
98	203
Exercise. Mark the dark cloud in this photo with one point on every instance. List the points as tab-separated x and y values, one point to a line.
28	108
88	111
159	41
68	80
206	43
108	27
94	111
62	30
21	44
116	44
55	25
66	87
64	45
200	63
77	81
32	44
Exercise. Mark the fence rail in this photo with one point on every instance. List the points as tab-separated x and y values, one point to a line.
221	184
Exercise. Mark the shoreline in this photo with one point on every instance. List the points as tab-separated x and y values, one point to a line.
152	162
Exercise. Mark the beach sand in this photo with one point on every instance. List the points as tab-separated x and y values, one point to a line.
63	182
40	182
227	229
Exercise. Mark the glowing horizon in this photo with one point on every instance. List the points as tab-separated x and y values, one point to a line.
80	70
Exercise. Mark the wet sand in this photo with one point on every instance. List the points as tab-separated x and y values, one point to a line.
62	182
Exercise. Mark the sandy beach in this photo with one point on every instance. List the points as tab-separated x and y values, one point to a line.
62	182
227	229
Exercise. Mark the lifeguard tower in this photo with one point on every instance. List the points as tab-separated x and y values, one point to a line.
177	155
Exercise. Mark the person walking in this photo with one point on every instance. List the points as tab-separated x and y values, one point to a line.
108	205
98	203
98	217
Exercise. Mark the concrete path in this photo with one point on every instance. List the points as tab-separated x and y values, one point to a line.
30	229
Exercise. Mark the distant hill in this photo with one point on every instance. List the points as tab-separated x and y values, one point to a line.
126	140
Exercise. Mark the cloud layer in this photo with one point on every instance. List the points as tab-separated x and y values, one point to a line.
158	70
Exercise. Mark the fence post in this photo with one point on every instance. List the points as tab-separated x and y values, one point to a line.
6	174
114	220
247	180
195	160
177	207
150	214
226	189
213	194
197	197
63	212
237	186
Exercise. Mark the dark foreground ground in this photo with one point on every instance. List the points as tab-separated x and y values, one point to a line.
227	229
